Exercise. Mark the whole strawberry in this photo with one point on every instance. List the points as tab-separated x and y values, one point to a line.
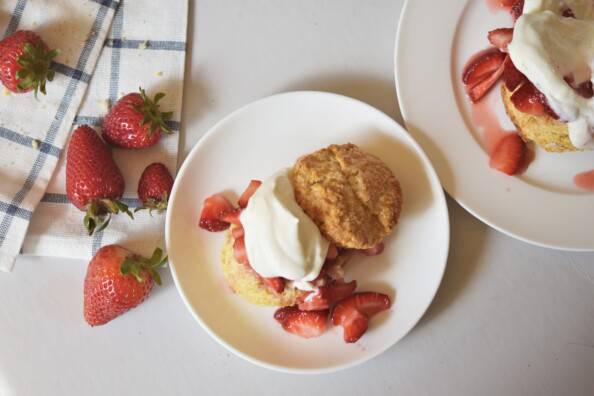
135	121
118	280
154	187
94	183
25	62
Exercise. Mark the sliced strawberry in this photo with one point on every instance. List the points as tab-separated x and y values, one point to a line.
332	252
476	92
508	155
239	251
214	209
517	9
247	194
277	284
511	76
306	324
355	324
506	3
528	99
374	251
482	66
328	294
500	38
353	313
233	217
237	232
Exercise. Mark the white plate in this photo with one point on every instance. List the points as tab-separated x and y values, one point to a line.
254	142
542	206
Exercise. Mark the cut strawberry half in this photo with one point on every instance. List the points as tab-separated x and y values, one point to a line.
214	209
476	92
237	232
528	99
512	77
239	251
482	67
277	284
247	194
517	9
374	251
508	155
232	217
334	291
500	38
306	324
353	313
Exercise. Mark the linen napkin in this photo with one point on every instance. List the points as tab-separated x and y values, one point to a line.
145	48
34	132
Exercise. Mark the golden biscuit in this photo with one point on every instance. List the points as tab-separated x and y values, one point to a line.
352	196
550	134
245	282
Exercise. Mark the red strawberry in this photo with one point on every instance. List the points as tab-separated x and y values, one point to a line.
528	99
214	209
328	294
500	38
511	76
93	181
239	251
506	3
517	9
277	284
118	280
135	121
154	187
509	154
306	324
482	67
25	62
353	313
247	194
374	251
233	217
476	92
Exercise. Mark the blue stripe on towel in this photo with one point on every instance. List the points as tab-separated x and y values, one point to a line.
17	13
146	44
71	72
28	142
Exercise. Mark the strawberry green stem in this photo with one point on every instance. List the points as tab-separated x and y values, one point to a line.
99	213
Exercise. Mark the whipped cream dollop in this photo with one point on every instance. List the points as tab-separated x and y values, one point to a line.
280	239
548	48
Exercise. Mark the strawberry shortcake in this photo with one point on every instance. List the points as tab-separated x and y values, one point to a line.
545	62
289	238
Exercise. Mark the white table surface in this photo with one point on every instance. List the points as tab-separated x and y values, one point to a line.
509	318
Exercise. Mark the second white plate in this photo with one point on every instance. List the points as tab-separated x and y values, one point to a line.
542	206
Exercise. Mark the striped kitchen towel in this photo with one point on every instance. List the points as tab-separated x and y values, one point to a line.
145	47
34	132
